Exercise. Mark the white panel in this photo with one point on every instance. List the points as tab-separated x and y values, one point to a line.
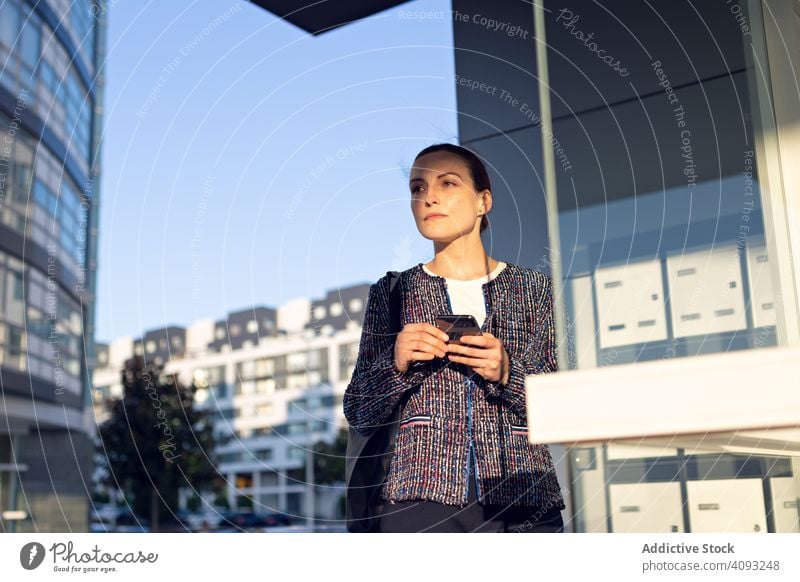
630	306
786	503
726	505
583	324
762	294
646	508
701	395
638	451
705	290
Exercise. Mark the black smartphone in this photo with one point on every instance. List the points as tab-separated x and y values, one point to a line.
457	325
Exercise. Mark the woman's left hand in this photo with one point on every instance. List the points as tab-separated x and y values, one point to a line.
483	353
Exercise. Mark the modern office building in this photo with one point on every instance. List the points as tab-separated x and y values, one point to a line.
273	380
645	154
50	106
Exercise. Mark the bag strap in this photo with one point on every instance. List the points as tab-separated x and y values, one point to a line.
395	307
394	301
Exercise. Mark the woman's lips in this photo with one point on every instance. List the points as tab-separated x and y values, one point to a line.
435	216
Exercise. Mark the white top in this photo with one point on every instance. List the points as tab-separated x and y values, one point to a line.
466	297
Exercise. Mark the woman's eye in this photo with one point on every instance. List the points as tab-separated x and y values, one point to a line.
415	189
451	183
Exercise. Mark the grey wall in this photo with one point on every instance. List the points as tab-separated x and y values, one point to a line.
502	131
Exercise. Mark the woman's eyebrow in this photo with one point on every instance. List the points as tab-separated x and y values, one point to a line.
439	176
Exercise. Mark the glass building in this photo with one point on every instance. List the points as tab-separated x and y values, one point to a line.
645	154
50	107
650	150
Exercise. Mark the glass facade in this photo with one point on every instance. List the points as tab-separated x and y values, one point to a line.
660	212
49	94
665	244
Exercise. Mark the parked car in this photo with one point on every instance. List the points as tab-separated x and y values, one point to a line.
251	521
177	523
118	521
206	520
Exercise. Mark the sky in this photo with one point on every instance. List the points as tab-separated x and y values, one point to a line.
246	162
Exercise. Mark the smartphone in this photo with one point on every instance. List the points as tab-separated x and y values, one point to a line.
457	325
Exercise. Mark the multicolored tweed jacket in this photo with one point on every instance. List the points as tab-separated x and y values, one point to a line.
452	412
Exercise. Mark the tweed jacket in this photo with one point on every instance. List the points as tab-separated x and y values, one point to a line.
453	415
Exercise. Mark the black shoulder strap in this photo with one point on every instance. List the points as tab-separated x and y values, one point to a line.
394	301
395	306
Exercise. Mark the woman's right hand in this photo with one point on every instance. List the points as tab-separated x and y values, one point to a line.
418	341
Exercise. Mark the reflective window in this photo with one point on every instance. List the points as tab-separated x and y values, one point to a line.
667	247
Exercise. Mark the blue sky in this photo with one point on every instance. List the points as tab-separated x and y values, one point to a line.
246	162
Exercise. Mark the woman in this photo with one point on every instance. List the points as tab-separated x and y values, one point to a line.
462	460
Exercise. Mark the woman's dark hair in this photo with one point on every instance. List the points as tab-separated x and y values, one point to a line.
480	177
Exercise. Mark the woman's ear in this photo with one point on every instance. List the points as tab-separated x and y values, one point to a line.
486	202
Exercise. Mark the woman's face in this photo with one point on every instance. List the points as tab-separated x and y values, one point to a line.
443	198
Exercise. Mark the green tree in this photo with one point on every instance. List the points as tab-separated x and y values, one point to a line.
329	460
157	441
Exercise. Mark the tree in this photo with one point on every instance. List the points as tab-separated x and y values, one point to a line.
157	441
329	460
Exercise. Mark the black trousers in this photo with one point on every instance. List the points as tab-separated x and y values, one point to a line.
430	516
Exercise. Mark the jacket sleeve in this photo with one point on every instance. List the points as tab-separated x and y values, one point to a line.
377	385
539	357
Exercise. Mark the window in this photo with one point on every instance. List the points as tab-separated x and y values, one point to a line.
356	304
268	478
297	361
30	41
294	503
9	24
252	326
216	375
296	454
150	346
245	387
243	480
219	332
265	366
319	312
247	369
669	239
265	386
336	309
236	329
